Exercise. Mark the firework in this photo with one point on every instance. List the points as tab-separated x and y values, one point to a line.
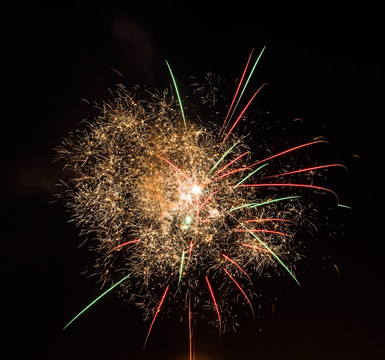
181	213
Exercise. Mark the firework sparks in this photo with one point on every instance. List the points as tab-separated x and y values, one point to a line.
167	204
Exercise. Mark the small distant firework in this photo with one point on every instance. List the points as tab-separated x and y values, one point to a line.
182	213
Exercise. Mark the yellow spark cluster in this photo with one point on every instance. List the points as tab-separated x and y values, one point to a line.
152	196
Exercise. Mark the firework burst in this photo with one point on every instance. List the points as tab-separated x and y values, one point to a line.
178	212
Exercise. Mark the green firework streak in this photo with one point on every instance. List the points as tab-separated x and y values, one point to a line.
274	200
177	93
253	205
251	174
97	299
223	156
270	251
181	268
344	206
249	77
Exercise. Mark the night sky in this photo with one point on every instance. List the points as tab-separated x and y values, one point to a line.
324	63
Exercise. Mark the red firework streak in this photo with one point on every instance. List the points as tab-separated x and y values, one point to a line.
234	263
190	331
191	246
242	112
262	231
207	199
241	290
231	172
228	119
124	244
236	92
266	220
255	247
232	162
215	304
179	171
155	316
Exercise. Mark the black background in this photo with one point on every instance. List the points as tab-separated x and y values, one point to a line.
323	62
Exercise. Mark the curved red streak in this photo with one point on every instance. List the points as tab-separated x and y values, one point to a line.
266	219
236	92
290	185
155	316
190	249
175	167
263	231
241	290
231	162
215	302
305	170
243	111
288	151
207	199
234	263
180	187
190	328
254	247
124	244
230	173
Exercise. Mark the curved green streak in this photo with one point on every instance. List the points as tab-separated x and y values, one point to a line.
344	206
97	299
253	205
181	267
252	173
275	200
223	156
177	92
248	79
271	252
